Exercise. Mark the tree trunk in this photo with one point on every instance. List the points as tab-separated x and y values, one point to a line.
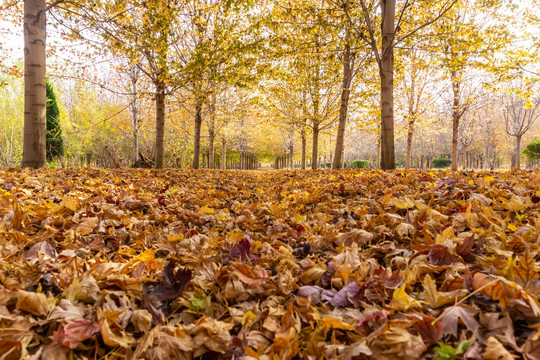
223	154
345	92
410	133
212	134
304	145
35	33
315	149
197	139
518	153
291	156
456	115
134	114
211	149
378	157
388	8
160	123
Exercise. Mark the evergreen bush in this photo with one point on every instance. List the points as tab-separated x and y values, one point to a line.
54	141
440	163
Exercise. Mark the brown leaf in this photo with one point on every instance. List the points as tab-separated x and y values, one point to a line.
250	276
10	349
437	299
428	328
75	332
495	351
397	343
451	316
34	303
439	255
524	270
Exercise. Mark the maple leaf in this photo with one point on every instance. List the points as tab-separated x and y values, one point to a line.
34	303
428	328
439	255
250	276
437	299
242	251
495	351
75	331
173	282
344	296
451	316
403	302
524	271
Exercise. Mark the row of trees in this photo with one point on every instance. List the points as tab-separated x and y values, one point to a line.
291	72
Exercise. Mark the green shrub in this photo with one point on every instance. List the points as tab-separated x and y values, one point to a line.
53	141
360	164
440	163
533	150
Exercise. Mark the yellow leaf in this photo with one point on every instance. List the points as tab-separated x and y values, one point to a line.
437	299
496	351
114	336
205	210
34	303
512	227
403	302
145	255
70	202
403	203
333	322
248	318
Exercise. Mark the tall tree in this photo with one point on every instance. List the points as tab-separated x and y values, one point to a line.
519	116
413	16
468	38
35	99
348	72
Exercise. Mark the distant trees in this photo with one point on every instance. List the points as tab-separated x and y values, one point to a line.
182	60
519	116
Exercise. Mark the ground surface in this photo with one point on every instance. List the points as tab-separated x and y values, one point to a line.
144	264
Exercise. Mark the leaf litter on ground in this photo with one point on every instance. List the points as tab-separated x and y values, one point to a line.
348	264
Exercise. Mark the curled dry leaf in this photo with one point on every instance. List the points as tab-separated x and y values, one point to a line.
34	303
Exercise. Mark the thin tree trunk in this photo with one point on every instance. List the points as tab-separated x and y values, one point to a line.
197	139
223	154
456	115
378	158
35	33
11	142
315	149
160	123
304	145
211	149
291	156
518	148
410	133
135	112
345	92
388	8
212	135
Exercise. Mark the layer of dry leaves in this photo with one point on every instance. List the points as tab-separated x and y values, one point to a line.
145	264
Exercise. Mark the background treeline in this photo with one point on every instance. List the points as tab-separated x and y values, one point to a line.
236	84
